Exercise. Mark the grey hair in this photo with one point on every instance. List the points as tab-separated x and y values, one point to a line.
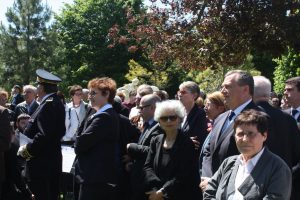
31	87
262	86
191	86
174	105
244	78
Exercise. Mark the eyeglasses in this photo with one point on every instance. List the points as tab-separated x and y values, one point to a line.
92	93
142	107
78	94
243	134
182	92
168	118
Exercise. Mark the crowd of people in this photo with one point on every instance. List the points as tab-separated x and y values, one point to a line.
242	142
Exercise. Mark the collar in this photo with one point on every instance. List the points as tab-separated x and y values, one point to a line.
239	109
102	109
46	96
250	164
294	109
150	122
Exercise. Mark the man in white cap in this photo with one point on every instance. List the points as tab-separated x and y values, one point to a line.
45	129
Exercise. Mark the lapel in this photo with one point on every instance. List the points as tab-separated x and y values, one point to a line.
231	182
217	130
188	119
255	174
148	132
159	144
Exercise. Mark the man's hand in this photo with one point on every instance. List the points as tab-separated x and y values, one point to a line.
204	183
196	142
23	152
155	195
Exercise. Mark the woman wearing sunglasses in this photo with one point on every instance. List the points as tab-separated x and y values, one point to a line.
171	170
95	145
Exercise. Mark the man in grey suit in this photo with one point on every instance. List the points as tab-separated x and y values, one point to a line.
138	151
237	89
256	173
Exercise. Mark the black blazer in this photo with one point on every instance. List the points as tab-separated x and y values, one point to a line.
283	137
97	149
196	124
182	178
46	127
21	108
4	139
222	146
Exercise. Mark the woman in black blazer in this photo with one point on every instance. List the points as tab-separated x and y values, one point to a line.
96	145
171	166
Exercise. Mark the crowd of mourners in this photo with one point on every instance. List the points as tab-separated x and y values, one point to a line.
241	142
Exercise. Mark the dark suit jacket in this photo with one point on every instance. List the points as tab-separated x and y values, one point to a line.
139	151
21	108
196	124
46	127
182	176
283	136
96	147
221	146
5	137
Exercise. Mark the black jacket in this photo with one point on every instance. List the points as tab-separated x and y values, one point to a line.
182	174
97	149
46	127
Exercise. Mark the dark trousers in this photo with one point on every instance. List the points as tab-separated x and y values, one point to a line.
295	190
97	192
45	188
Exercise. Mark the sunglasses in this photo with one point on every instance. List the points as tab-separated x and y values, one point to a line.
142	107
182	92
168	118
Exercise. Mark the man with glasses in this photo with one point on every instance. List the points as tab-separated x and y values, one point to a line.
237	88
138	151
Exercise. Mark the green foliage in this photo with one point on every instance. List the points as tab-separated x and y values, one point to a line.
288	66
84	27
27	43
166	78
210	80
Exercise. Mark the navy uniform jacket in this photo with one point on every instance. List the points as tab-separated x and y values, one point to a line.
46	127
96	148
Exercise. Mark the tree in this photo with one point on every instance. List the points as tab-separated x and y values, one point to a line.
27	43
211	33
288	66
83	27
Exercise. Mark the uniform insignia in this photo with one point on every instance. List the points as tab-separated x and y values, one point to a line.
50	99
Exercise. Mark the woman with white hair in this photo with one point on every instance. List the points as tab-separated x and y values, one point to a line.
171	168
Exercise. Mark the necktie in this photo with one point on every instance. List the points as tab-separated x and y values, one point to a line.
294	112
231	116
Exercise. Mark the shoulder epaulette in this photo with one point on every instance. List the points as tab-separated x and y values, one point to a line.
50	99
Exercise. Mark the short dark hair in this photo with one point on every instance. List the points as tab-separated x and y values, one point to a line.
243	79
253	117
295	81
74	88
